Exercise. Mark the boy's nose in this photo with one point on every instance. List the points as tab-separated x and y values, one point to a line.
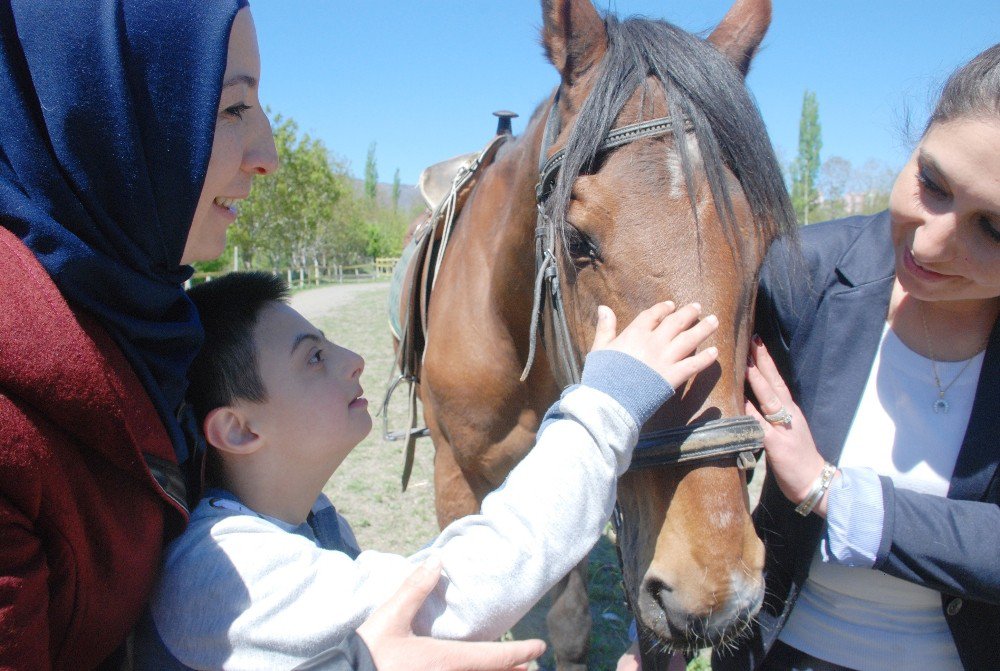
358	366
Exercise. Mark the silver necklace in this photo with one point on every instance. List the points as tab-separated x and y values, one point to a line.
941	406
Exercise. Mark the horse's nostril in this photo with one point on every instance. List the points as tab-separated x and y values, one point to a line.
658	590
659	601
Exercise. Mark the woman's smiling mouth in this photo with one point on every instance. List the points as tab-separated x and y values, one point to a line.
228	204
919	271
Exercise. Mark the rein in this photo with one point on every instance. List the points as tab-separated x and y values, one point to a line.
703	441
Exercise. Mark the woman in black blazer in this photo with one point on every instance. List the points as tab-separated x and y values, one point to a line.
876	375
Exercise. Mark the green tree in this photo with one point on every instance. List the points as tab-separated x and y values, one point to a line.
343	237
258	213
371	174
805	169
376	244
874	181
295	217
309	215
835	176
396	188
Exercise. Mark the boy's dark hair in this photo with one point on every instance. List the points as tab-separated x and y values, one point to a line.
226	368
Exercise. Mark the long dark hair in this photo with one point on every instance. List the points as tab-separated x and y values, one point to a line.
971	91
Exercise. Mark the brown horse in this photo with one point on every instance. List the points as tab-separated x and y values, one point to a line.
682	208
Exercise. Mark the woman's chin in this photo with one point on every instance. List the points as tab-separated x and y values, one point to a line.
205	250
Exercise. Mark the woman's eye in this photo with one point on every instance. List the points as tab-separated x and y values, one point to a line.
237	110
930	186
990	227
317	357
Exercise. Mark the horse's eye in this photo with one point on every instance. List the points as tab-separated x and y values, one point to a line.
580	247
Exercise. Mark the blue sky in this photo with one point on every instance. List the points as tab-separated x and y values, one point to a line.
422	77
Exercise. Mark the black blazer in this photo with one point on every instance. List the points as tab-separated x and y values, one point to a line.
821	315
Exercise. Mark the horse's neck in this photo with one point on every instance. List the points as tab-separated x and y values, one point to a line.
505	213
483	296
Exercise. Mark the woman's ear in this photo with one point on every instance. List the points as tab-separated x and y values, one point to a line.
227	429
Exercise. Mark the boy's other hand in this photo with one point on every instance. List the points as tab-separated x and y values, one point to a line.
630	661
388	633
663	338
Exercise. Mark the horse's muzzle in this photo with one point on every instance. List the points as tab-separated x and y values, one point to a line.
662	612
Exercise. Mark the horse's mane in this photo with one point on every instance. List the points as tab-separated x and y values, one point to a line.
705	89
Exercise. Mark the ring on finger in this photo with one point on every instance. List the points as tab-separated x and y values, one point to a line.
780	418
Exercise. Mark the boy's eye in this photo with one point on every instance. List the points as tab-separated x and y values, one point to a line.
237	110
318	357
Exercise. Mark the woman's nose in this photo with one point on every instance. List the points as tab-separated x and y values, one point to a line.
261	157
935	238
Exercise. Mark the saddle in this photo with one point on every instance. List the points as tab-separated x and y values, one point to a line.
416	272
436	181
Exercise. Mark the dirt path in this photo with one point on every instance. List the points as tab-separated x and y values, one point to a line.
318	303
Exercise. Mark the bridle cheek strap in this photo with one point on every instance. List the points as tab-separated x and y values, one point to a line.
547	296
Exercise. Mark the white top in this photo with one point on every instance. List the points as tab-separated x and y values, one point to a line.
863	618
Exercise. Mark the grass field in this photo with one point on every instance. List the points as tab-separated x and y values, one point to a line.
366	488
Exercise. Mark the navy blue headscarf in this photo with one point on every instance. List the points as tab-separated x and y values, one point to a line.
107	114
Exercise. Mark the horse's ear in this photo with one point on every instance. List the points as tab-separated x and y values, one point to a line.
741	31
573	35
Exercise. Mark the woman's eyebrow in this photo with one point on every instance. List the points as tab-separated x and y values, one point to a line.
240	79
928	161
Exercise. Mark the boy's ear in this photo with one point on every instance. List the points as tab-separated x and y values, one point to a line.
226	429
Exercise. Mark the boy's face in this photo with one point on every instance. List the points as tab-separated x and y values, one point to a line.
315	412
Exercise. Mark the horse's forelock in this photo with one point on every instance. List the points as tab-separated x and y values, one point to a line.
702	87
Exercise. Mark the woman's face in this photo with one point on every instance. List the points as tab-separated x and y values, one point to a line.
243	146
945	209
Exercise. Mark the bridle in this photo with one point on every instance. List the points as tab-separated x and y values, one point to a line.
701	441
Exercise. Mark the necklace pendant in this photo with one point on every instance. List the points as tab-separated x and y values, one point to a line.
940	407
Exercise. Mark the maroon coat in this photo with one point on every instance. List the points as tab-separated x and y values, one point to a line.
82	520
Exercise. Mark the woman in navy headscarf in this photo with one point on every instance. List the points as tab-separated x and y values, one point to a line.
129	130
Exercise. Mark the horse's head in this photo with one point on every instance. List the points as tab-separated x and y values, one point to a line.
681	210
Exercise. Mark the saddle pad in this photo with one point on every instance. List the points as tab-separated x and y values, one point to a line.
396	288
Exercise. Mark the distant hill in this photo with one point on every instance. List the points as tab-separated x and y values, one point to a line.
409	195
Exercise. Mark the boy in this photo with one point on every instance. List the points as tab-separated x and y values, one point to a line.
268	575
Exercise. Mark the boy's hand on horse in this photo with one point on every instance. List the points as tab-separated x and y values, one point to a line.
388	633
663	337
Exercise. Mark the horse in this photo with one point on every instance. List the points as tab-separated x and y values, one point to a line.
646	175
